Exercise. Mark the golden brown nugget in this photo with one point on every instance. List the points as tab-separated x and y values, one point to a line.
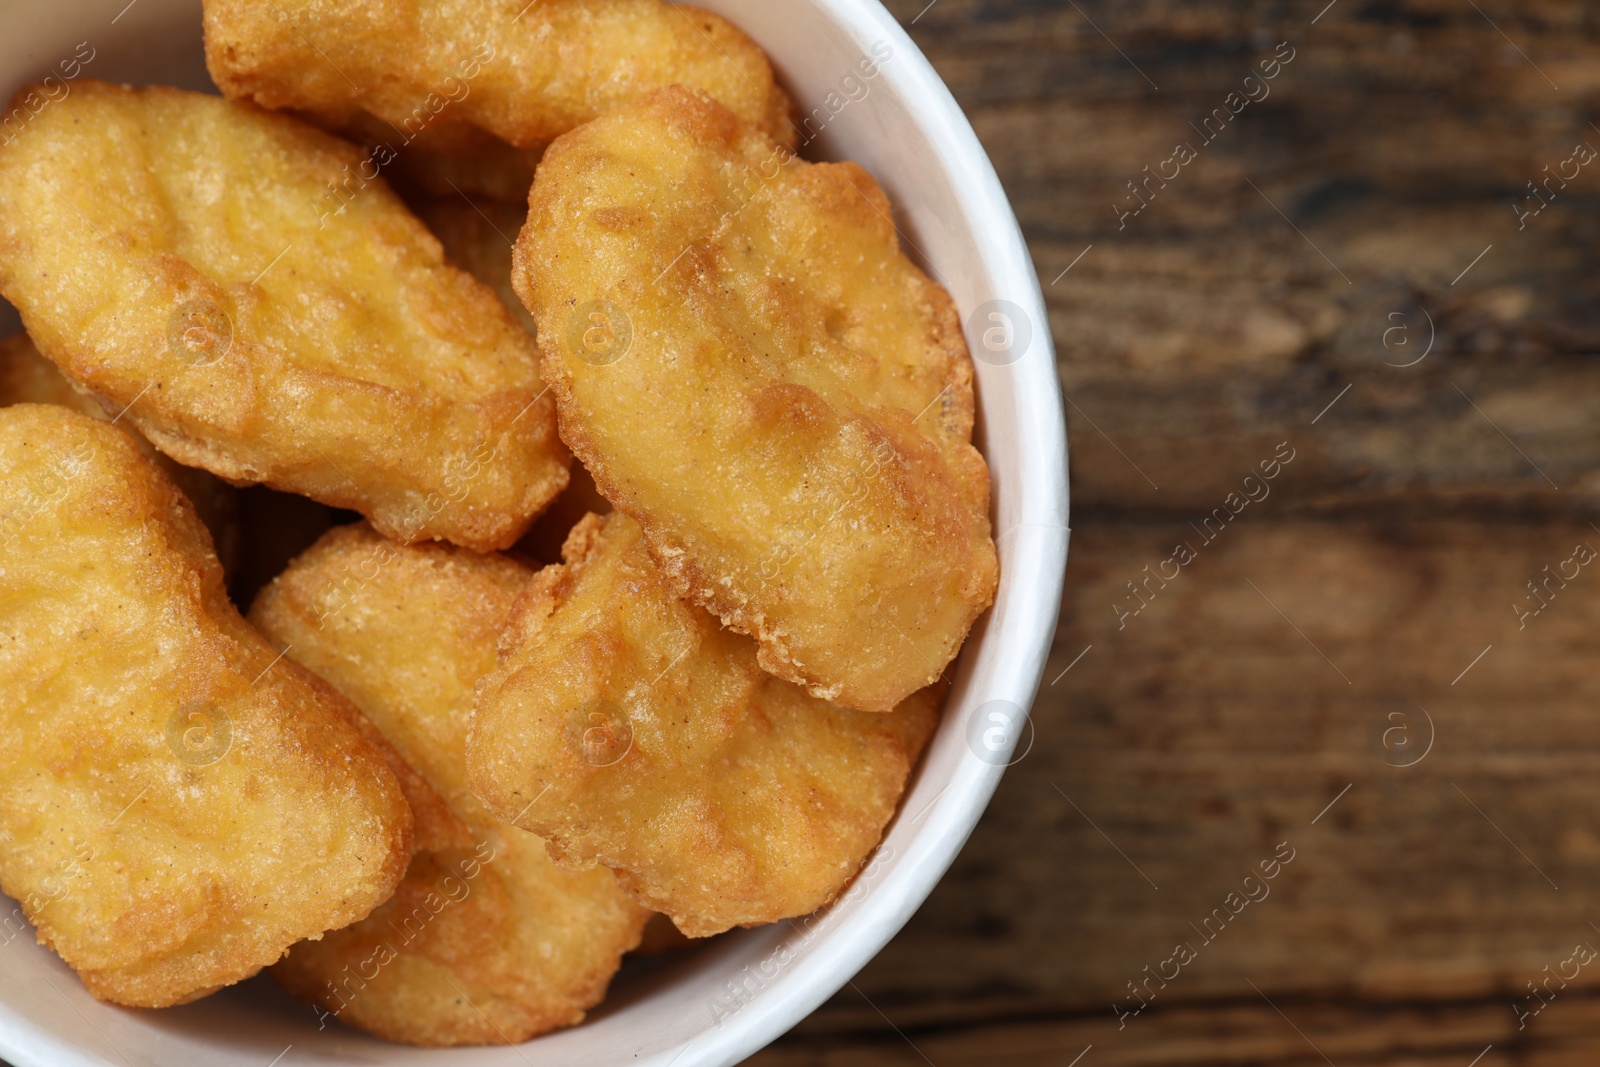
421	76
487	941
178	805
26	377
750	367
719	795
177	256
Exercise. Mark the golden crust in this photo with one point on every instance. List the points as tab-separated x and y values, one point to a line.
185	259
486	941
26	377
750	367
654	744
178	805
428	74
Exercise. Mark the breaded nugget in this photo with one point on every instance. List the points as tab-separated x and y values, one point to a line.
419	77
629	729
486	941
217	271
750	367
26	377
178	805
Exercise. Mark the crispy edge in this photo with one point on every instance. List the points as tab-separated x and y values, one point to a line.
702	119
28	377
185	977
483	528
440	829
913	727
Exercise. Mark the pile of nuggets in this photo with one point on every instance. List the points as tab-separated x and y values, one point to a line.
505	711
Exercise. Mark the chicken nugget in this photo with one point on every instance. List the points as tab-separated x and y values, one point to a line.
262	308
421	79
178	804
487	941
750	367
628	729
26	377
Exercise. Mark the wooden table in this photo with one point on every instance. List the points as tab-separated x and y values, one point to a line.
1350	669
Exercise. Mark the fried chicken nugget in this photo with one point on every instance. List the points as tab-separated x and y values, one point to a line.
420	79
177	804
656	746
750	367
181	257
487	941
26	377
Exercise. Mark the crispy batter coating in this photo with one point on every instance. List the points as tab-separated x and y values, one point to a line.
487	941
750	367
263	311
422	77
26	377
178	805
656	746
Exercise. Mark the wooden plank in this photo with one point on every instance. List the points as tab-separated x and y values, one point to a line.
1232	1034
1221	720
1210	322
1254	302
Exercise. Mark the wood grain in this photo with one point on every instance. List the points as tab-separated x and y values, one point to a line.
1313	646
1395	143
